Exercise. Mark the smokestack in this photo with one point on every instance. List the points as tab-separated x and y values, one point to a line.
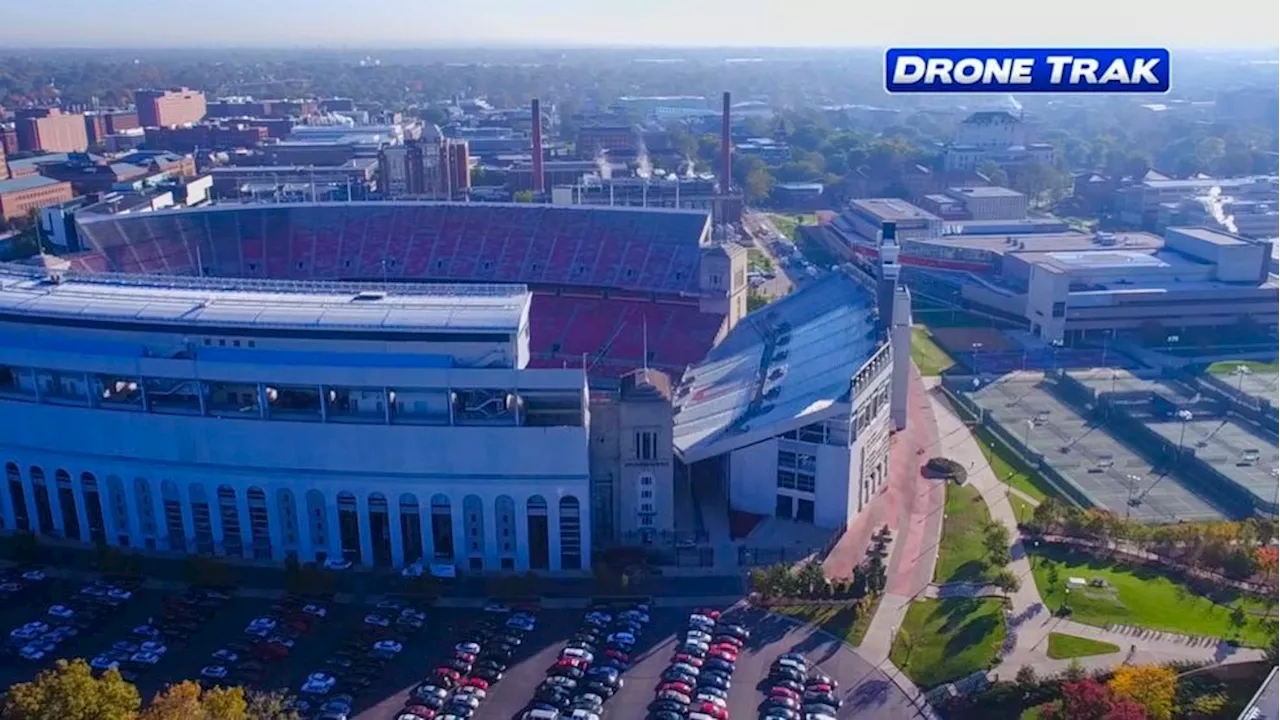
726	150
538	182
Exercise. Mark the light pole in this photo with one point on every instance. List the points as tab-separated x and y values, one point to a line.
977	348
1026	434
1133	482
1106	343
1240	372
1114	374
1169	343
1056	345
1275	501
1185	416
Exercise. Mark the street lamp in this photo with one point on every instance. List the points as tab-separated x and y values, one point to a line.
977	347
1114	375
1056	345
1185	416
1106	342
1132	502
1240	372
1169	343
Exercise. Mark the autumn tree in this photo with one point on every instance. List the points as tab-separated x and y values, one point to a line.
69	691
188	701
1089	699
274	705
1151	686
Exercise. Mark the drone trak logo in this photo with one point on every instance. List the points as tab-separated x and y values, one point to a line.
1026	70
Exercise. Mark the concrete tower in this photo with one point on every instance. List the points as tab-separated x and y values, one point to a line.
900	339
887	273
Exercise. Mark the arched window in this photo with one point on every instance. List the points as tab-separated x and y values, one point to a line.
570	534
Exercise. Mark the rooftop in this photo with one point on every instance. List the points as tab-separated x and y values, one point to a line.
985	192
892	209
222	302
1047	242
756	382
30	182
1209	235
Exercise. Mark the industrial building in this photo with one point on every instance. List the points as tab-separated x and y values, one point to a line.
171	106
20	196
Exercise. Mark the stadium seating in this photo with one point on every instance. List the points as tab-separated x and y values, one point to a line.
647	251
558	251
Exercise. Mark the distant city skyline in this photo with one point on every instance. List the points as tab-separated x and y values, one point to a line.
652	23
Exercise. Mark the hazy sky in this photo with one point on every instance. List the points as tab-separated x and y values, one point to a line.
416	23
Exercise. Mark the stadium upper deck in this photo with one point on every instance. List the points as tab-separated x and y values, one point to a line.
650	251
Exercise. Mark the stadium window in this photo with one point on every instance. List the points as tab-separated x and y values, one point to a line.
646	521
346	263
488	265
508	563
786	459
814	433
208	341
646	445
646	507
646	480
805	482
786	480
555	348
1059	309
299	264
253	344
235	343
646	494
222	342
477	563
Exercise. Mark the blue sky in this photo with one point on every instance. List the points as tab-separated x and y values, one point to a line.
417	23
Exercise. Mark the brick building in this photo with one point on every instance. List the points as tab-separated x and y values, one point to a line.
98	125
205	137
174	106
50	130
594	139
21	196
4	165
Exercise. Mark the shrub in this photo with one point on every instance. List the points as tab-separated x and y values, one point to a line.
940	467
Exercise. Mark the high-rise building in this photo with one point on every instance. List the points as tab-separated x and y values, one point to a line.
430	167
173	106
4	165
51	130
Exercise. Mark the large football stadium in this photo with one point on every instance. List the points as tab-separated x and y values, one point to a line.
492	387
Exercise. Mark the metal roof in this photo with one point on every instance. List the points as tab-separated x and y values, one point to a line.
754	380
29	182
263	304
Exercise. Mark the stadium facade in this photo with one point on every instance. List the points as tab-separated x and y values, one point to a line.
498	388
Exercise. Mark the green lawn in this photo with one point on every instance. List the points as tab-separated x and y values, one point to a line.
1007	469
928	357
945	640
757	261
960	552
839	620
1143	598
1022	510
1226	367
1063	646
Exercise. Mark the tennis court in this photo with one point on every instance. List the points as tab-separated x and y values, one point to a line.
1105	470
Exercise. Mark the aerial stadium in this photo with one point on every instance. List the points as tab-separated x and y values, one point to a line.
490	387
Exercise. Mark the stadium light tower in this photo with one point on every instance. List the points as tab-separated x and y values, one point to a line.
1240	372
1133	501
1185	416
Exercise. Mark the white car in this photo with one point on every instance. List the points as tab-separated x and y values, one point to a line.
318	683
266	622
497	608
410	613
818	716
697	636
153	646
145	658
216	672
61	611
392	605
337	564
469	648
466	700
577	654
31	630
376	620
599	618
32	652
146	631
104	662
714	700
59	634
387	646
413	570
226	656
281	640
10	587
636	616
119	593
474	692
520	622
33	575
315	610
622	638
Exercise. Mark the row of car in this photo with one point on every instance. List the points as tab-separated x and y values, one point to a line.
588	670
268	639
794	691
696	684
86	612
330	693
21	584
147	644
455	689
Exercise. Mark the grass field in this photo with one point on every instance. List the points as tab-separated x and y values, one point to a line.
787	222
1006	469
928	357
757	261
1063	646
945	640
839	620
1143	598
1226	367
1022	510
960	550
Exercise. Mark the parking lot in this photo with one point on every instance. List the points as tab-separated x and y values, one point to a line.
1106	470
340	645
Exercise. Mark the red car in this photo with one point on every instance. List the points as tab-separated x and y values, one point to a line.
572	662
713	710
449	675
784	692
709	612
421	711
475	683
467	658
820	687
724	653
270	652
682	688
687	658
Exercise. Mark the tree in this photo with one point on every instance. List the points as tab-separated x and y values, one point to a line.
1151	686
187	701
811	577
1207	706
1007	581
1027	679
994	173
1089	699
996	540
69	691
274	705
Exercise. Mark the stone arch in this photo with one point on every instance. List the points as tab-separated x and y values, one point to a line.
229	514
259	523
175	528
91	496
18	497
539	533
410	528
201	518
570	533
442	540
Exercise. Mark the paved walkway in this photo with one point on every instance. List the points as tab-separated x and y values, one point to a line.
1030	621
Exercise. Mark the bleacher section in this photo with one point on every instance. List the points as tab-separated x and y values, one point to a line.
646	259
652	251
613	333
